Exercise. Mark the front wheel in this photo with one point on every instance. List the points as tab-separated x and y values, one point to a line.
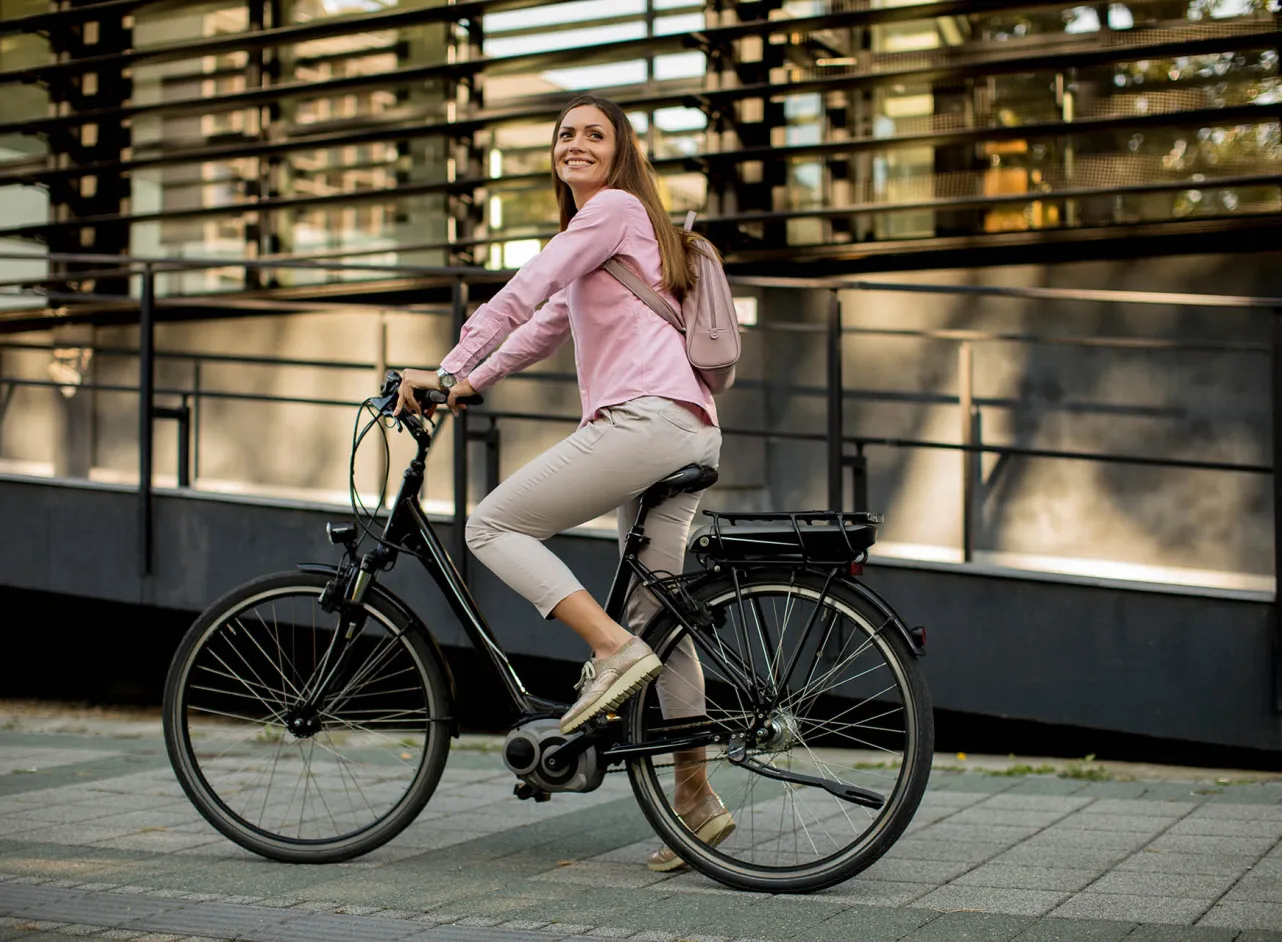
821	685
285	773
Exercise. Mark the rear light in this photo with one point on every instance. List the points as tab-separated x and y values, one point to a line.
919	633
856	569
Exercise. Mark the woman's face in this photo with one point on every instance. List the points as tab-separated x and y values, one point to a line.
584	151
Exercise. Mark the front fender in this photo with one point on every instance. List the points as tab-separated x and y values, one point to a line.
393	601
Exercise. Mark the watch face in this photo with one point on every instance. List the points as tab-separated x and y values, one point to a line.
447	380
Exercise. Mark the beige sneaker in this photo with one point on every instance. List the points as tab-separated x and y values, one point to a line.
710	822
606	682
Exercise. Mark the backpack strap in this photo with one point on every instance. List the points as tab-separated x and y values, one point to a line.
652	298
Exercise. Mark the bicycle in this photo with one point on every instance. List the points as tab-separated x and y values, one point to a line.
308	714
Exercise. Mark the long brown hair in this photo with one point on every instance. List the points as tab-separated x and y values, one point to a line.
632	173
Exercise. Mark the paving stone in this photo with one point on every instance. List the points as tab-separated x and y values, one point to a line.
609	932
1165	809
985	833
1136	883
1151	861
212	919
1236	812
771	918
970	927
98	908
869	924
1047	785
946	799
1256	888
1259	935
1042	803
1018	902
1138	823
1244	915
1181	934
1060	857
1027	878
903	870
875	892
527	925
1221	827
1008	817
948	851
1199	844
1054	840
1142	909
1052	929
478	934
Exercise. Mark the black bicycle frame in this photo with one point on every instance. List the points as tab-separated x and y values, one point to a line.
408	527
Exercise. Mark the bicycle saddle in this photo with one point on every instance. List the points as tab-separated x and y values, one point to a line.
693	477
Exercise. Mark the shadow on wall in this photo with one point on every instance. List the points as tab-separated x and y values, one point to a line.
1210	406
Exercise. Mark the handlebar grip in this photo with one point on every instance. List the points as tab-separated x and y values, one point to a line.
426	397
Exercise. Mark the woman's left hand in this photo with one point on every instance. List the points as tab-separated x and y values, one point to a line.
410	381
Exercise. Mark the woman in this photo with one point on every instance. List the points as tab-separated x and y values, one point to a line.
645	414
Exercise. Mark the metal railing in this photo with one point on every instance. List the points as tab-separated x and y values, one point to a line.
844	467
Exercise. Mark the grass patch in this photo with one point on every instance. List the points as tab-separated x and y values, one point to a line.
1021	769
1084	771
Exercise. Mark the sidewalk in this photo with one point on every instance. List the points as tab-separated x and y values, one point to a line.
97	839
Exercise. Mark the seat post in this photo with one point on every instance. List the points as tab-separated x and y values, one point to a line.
632	545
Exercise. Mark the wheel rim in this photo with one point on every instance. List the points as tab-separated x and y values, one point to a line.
847	714
284	771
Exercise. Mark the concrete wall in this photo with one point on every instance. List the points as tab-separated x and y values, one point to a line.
1097	657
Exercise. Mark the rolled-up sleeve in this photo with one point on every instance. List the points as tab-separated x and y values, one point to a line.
535	340
595	234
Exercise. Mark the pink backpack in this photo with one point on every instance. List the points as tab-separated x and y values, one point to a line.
707	317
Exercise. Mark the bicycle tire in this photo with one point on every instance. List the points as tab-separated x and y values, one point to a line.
220	640
742	862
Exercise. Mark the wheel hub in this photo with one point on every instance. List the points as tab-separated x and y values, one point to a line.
779	732
303	722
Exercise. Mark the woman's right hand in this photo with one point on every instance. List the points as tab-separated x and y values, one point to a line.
411	380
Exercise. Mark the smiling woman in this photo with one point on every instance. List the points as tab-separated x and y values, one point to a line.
646	414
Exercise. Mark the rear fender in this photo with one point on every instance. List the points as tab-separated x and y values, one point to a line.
876	601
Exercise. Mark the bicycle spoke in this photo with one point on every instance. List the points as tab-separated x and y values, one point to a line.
823	683
353	760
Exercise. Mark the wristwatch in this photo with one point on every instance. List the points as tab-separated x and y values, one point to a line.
447	379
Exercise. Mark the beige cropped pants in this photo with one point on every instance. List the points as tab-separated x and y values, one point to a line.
605	465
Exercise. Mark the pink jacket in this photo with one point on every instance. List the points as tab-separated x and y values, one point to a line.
623	350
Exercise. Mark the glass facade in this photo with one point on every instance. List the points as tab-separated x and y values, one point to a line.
418	132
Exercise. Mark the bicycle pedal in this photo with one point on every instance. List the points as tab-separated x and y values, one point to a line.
524	790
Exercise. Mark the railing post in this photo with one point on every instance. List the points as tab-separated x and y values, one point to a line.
836	423
146	408
461	471
1276	364
184	443
195	421
858	477
969	426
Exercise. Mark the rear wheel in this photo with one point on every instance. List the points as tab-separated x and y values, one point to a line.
827	688
278	775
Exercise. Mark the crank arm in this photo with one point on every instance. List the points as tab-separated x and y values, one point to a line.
851	793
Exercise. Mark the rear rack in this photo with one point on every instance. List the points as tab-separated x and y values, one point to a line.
810	536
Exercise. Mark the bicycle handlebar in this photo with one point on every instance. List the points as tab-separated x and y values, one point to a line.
426	398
